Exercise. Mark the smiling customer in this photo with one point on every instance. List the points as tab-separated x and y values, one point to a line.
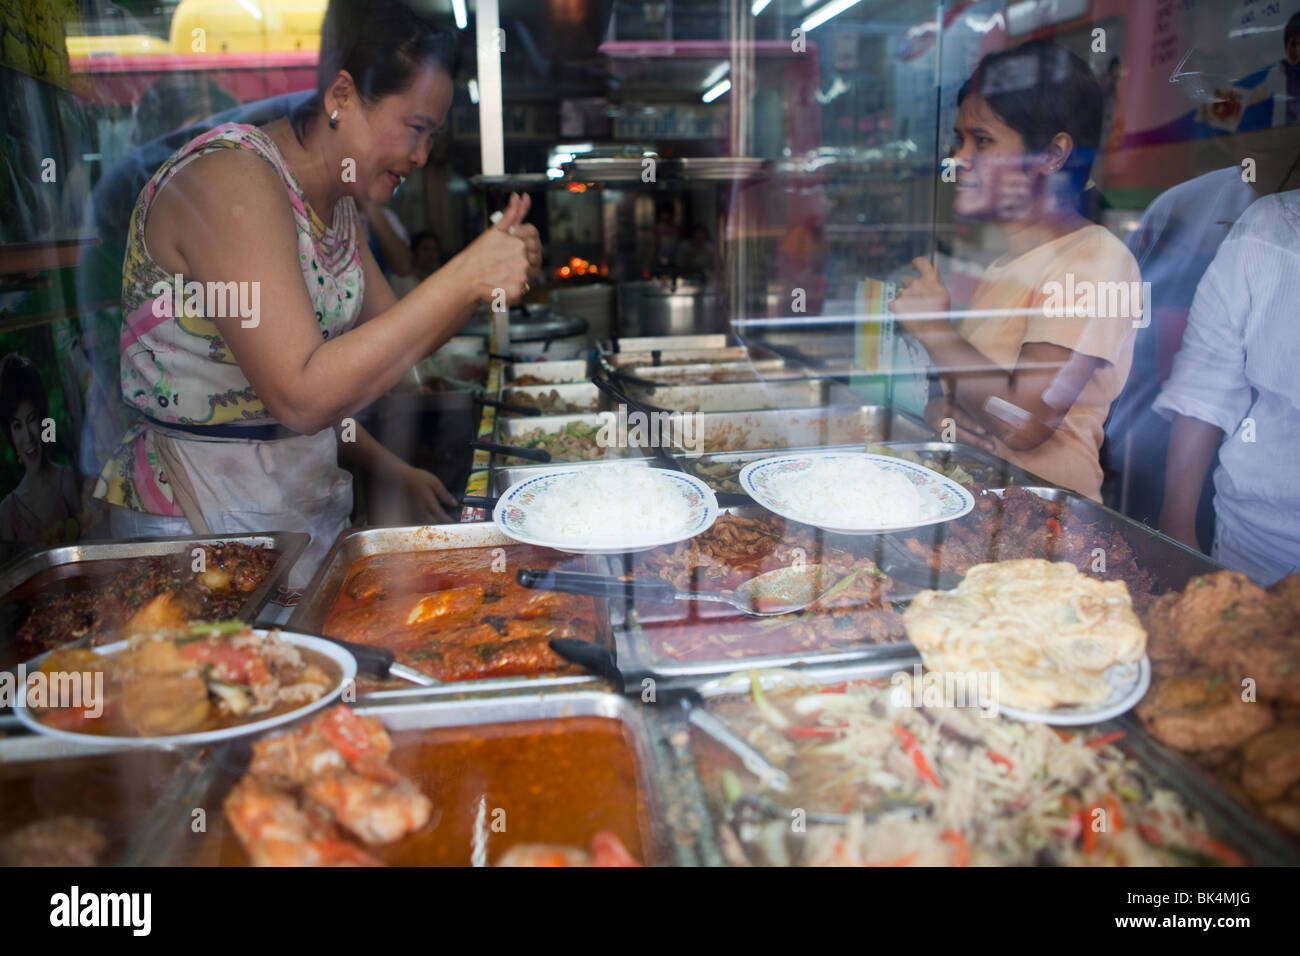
241	412
1026	373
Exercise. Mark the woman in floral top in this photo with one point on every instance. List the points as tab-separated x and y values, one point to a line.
256	321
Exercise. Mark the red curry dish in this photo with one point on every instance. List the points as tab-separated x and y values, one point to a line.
460	615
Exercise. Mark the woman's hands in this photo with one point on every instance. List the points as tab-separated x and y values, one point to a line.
922	294
504	256
426	493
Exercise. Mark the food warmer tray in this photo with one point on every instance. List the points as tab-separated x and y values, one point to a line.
665	358
744	396
1170	563
636	655
310	614
711	341
955	453
582	394
673	801
1231	823
147	779
782	429
715	373
508	430
288	544
563	371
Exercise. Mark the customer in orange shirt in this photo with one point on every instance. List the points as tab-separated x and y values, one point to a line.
1029	370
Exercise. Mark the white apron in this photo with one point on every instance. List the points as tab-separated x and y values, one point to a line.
239	486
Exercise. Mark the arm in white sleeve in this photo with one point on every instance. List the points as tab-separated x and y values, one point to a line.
1208	381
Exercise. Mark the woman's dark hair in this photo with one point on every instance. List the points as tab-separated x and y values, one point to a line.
383	44
20	382
1040	89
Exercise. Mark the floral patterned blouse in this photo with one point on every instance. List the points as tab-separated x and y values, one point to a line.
177	368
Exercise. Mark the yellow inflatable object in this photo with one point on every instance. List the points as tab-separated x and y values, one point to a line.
127	44
246	26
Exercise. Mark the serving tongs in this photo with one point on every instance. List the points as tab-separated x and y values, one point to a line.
771	594
530	454
379	663
481	399
726	499
601	661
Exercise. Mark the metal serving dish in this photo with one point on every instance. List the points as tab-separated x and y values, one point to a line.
777	431
709	342
713	373
310	614
1263	844
566	370
1170	563
954	453
637	655
288	546
582	395
117	789
672	810
732	397
508	431
665	358
721	469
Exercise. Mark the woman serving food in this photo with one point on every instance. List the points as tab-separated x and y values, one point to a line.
285	326
1031	369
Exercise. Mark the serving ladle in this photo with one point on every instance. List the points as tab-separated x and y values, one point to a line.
783	591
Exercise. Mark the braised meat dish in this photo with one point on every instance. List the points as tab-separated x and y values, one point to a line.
116	598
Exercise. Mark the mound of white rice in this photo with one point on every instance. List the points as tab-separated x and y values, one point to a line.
607	502
850	493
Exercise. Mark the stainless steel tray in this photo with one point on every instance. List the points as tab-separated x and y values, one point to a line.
773	431
310	614
778	429
579	394
508	430
1170	563
732	397
289	544
566	370
709	342
664	358
672	799
959	453
715	373
1229	821
122	802
636	655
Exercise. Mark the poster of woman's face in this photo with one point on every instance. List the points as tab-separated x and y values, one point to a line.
41	503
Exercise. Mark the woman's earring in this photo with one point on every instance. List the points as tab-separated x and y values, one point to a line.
334	120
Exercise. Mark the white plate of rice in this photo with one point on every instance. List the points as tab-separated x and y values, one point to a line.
854	492
607	508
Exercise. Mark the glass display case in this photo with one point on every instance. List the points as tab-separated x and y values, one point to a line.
672	402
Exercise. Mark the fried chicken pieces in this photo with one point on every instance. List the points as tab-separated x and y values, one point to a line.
1226	655
303	786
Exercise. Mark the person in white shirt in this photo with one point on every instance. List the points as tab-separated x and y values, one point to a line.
1235	387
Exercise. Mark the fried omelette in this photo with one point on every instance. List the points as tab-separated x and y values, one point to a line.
1049	631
